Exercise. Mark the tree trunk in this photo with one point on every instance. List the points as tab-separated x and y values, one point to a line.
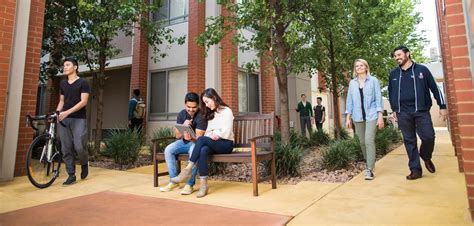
100	103
334	90
283	90
281	71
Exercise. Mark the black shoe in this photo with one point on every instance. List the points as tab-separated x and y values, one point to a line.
70	180
85	171
414	175
430	166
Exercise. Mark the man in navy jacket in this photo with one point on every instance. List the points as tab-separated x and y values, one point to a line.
409	89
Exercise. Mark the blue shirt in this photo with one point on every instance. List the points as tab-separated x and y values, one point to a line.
372	99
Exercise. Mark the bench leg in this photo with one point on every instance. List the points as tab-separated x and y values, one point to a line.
273	169
254	179
155	172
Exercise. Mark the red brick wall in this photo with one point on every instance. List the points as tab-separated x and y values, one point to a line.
30	81
7	16
139	77
229	70
459	86
267	78
196	59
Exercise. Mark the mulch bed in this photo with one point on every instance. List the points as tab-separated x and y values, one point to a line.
310	168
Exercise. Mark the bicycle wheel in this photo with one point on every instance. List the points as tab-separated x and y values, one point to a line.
41	172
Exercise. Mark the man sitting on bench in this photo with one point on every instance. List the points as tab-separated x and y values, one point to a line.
185	144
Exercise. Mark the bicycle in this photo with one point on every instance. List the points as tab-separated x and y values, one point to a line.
43	159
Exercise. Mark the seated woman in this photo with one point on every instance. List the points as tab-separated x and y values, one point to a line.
219	138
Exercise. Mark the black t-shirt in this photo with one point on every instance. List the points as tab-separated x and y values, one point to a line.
198	121
72	95
318	112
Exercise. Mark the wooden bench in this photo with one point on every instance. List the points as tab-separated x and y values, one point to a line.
250	131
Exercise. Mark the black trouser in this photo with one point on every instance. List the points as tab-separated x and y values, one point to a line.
412	123
136	123
319	126
305	122
206	146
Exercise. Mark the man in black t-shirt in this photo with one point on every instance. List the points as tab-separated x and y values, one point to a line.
74	93
319	114
185	144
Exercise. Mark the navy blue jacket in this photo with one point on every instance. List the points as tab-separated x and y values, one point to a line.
424	82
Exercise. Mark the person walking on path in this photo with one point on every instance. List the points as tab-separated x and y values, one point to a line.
364	107
306	113
74	94
409	94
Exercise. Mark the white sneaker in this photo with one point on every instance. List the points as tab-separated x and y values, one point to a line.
369	175
169	187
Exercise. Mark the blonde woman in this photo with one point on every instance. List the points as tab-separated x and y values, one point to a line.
364	107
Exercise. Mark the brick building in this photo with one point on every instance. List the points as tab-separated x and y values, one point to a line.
163	83
456	27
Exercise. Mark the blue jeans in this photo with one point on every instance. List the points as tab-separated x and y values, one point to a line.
206	146
176	148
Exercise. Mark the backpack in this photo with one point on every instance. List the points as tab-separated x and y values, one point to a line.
139	111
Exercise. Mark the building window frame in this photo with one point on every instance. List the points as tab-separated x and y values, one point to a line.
259	90
175	20
167	115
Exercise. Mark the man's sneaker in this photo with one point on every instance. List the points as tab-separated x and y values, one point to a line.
187	190
85	171
369	175
70	180
169	187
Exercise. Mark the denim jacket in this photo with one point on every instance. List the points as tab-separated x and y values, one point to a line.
372	99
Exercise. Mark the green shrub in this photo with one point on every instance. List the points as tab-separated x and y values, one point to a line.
289	156
382	142
344	134
288	159
296	139
354	146
162	132
393	133
338	155
123	146
319	138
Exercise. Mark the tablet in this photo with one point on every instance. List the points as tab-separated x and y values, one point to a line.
182	128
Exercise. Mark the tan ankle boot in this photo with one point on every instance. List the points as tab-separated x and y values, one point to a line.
203	188
183	176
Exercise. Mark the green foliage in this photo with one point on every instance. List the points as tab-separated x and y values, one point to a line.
354	145
338	155
163	132
86	29
123	146
319	138
288	159
344	134
288	156
384	137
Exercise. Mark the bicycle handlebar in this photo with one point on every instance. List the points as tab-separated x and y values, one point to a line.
30	119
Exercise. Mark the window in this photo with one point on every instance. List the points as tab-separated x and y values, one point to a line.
172	12
249	93
167	90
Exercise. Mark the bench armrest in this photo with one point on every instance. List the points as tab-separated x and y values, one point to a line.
253	139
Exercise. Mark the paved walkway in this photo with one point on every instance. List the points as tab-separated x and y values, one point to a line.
436	199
